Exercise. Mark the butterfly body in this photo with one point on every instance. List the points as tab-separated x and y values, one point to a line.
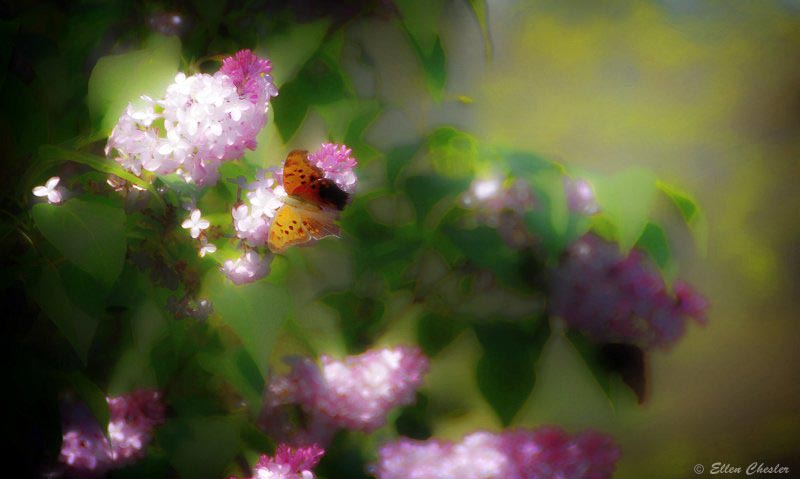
310	208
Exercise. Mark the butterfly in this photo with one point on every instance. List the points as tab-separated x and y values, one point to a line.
311	207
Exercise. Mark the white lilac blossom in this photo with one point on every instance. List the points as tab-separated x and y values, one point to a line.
50	191
206	248
337	163
620	299
545	453
133	417
247	268
201	121
288	463
354	393
195	223
580	197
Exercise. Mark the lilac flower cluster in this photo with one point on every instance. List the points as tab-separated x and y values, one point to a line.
253	217
354	393
288	463
622	299
133	417
337	162
545	453
201	121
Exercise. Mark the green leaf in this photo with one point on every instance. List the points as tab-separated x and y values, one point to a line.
288	51
654	242
76	326
117	80
89	232
453	152
421	21
479	9
91	395
436	331
397	159
255	312
201	447
135	369
692	214
425	191
506	371
359	318
50	155
626	199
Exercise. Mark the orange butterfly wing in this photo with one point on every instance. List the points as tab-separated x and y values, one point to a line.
286	230
298	172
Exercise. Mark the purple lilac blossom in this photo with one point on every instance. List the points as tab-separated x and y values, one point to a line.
354	393
133	417
621	299
288	463
337	163
545	453
206	120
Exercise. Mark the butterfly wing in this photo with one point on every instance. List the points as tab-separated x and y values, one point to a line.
287	229
298	172
324	193
320	224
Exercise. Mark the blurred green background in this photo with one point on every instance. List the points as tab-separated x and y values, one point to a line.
707	94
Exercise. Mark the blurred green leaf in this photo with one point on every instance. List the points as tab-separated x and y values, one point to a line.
255	312
359	318
76	326
436	331
91	395
89	232
289	50
506	371
421	22
654	242
550	218
134	369
453	152
117	80
200	447
692	214
626	199
426	191
238	368
479	9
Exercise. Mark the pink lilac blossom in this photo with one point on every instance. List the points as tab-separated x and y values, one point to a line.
580	197
132	420
620	299
247	268
288	463
201	121
545	453
355	393
253	217
336	162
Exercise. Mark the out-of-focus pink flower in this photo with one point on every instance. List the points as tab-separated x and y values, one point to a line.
246	269
354	393
337	163
288	463
132	419
546	453
622	299
580	197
